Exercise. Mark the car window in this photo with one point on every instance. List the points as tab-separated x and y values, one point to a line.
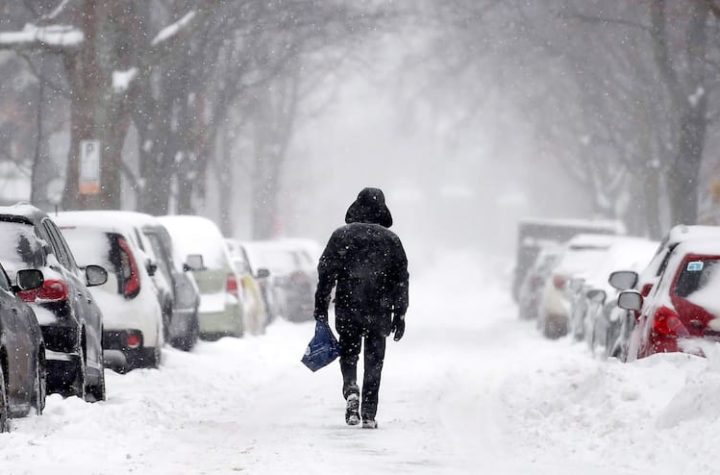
666	259
62	252
160	254
695	276
4	282
20	246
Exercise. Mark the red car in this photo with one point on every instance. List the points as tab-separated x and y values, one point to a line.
683	308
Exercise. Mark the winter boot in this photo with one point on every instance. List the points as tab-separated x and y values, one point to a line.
369	424
352	414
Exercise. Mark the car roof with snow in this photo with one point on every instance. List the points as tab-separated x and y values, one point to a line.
683	232
593	241
703	247
118	221
627	253
30	213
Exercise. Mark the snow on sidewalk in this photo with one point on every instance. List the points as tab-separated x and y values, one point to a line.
469	390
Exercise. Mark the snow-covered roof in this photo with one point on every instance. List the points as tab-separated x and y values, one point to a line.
683	233
198	235
120	221
625	254
599	241
25	210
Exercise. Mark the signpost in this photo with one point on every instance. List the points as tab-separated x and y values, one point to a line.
89	167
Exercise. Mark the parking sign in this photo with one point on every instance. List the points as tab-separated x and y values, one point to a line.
89	167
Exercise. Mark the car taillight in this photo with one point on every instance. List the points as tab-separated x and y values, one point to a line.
559	281
134	340
52	290
131	276
646	290
231	285
667	323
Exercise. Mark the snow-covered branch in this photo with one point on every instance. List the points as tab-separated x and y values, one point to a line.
56	12
171	30
56	37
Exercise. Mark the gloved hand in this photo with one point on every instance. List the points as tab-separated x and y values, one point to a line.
321	317
398	327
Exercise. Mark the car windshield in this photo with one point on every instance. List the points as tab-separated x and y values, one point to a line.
696	275
19	246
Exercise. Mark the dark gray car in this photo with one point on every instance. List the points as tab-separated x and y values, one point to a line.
22	351
70	321
182	330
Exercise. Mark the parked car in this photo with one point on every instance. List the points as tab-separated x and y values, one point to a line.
133	332
683	308
645	281
255	311
293	273
532	287
579	256
22	351
597	324
203	248
536	234
70	320
272	294
183	329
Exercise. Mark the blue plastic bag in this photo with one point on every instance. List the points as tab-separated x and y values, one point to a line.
323	348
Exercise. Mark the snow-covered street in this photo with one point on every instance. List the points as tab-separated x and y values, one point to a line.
470	389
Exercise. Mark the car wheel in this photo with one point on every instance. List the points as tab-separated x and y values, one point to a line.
77	387
4	406
188	341
166	318
40	389
97	392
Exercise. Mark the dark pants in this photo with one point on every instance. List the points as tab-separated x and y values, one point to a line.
351	338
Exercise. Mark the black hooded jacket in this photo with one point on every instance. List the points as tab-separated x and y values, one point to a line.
367	262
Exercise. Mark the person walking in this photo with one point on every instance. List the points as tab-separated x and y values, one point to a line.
367	264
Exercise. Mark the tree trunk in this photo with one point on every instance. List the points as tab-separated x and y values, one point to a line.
651	198
97	111
683	178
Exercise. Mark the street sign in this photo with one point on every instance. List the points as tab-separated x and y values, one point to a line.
89	167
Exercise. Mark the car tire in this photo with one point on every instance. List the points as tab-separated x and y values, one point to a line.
4	405
97	392
153	358
188	341
166	319
79	383
40	387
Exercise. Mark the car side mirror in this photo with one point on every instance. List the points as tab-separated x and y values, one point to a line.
151	268
623	280
630	300
597	296
95	275
263	273
29	279
195	263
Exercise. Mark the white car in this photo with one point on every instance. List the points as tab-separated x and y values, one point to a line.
201	243
133	320
580	255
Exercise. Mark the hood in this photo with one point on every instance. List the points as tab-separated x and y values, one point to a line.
370	208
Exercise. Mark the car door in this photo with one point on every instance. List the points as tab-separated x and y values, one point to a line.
86	310
19	343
